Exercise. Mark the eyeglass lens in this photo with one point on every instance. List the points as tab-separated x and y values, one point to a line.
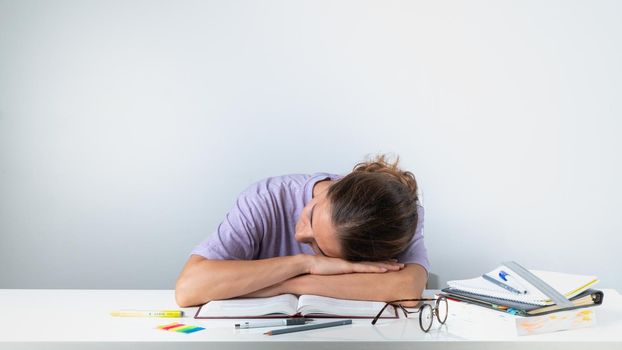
426	316
442	309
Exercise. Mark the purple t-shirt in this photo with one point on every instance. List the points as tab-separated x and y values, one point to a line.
263	220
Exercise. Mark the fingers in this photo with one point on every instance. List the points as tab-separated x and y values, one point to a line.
332	266
389	265
367	268
377	267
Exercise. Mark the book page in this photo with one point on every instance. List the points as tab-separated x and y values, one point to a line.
284	304
318	305
567	284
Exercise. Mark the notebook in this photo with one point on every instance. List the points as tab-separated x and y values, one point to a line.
568	285
590	297
288	305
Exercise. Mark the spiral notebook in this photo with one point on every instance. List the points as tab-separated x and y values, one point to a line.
568	285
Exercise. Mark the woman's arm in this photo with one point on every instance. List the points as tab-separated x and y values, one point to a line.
202	280
407	283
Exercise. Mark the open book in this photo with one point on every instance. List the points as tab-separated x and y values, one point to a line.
288	305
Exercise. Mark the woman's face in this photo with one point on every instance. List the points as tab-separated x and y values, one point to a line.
314	227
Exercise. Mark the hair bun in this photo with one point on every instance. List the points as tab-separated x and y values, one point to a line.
382	164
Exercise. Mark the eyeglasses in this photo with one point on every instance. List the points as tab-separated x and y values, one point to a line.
426	311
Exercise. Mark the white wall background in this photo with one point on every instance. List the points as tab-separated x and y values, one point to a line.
127	128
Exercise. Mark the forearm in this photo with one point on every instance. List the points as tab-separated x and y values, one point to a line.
203	280
407	283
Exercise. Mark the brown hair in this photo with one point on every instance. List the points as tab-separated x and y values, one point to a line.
374	210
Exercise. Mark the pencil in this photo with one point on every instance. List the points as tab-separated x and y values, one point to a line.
308	327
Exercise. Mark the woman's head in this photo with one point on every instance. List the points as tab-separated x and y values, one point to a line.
374	210
368	215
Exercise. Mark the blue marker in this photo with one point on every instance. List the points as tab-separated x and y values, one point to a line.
505	276
502	275
501	284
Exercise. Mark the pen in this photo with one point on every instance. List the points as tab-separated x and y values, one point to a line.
148	313
273	323
308	327
504	276
501	284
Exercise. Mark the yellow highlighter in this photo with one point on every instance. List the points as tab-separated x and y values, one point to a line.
148	313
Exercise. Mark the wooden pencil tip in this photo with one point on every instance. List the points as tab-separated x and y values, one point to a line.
268	333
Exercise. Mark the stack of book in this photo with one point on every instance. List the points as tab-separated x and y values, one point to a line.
515	290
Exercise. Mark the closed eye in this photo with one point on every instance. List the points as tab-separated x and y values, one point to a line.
321	251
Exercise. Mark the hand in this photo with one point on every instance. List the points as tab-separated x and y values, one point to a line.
322	265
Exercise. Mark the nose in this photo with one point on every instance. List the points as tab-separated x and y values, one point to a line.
306	234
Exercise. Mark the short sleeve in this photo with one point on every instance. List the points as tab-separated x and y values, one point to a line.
416	253
238	237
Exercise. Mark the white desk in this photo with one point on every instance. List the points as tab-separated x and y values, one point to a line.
80	319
